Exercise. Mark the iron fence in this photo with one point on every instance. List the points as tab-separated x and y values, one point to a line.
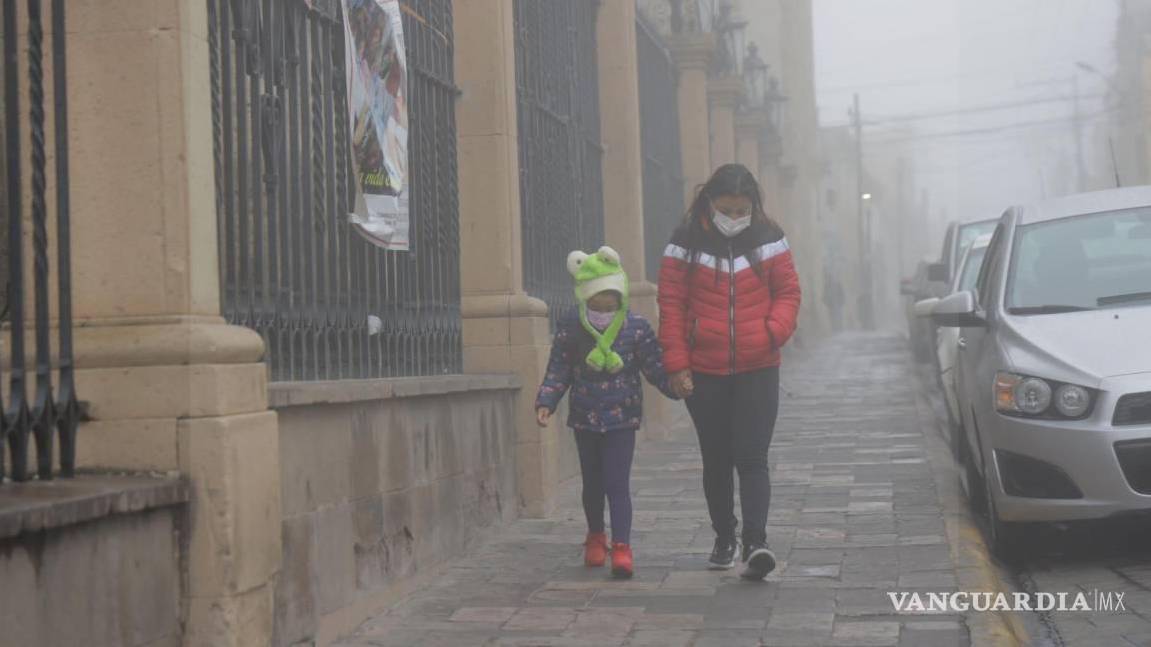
560	151
663	182
53	411
329	304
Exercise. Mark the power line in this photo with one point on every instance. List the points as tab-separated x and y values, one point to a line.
991	130
976	109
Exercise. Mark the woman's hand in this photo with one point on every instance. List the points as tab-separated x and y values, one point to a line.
543	416
681	383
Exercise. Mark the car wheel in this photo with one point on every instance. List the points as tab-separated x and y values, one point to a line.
1003	538
974	489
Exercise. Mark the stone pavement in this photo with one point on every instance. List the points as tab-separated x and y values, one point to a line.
857	511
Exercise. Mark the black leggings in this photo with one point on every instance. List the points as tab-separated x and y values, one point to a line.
734	417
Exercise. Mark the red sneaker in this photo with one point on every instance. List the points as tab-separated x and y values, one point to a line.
622	564
595	549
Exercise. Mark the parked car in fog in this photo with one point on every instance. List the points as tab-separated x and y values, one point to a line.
935	280
947	339
919	329
955	243
1053	375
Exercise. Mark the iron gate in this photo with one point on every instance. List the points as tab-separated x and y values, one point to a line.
52	410
328	304
560	151
659	123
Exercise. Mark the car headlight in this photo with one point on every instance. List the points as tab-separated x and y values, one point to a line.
1072	401
1022	395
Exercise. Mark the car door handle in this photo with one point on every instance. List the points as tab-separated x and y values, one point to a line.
962	343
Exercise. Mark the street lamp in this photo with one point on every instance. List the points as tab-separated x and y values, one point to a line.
866	196
774	100
755	76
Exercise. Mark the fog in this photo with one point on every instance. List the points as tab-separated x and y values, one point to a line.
978	95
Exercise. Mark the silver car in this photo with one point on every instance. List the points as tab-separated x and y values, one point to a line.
1054	370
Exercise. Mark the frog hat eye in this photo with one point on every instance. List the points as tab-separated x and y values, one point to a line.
575	261
608	255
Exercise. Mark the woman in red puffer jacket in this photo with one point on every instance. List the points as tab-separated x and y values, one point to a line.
728	300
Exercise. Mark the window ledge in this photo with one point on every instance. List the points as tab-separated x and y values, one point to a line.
298	394
35	506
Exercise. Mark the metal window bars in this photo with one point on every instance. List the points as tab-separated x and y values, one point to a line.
663	183
328	304
560	150
50	412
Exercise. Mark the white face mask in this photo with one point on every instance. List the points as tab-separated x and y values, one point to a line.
730	227
600	320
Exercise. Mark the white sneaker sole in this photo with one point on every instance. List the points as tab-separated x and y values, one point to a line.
759	564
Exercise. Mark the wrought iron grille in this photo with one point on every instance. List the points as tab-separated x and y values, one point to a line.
52	410
561	192
328	304
659	124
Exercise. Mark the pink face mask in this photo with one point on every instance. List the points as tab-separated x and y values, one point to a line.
600	320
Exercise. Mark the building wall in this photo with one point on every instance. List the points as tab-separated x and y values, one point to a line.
112	582
381	482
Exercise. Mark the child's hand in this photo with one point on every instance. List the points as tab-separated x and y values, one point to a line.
543	416
681	383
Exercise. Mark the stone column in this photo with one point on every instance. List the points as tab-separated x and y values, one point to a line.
623	169
723	95
172	387
692	54
749	127
505	330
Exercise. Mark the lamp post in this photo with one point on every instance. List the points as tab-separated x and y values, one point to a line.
774	101
755	77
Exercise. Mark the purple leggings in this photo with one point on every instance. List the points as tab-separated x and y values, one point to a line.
605	461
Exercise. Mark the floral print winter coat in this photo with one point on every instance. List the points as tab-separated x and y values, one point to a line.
602	401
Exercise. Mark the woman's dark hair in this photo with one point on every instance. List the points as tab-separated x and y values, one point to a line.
729	179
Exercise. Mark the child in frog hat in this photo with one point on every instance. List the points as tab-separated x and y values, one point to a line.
599	353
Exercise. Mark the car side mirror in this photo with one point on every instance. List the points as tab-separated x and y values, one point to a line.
938	273
926	307
958	310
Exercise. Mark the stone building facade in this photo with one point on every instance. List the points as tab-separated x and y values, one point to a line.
300	507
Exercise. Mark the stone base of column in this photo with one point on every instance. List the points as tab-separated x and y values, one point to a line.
509	333
188	394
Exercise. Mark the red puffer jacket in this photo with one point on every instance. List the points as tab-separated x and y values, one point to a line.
718	315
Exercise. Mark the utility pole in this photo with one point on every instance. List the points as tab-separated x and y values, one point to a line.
1080	170
901	216
864	243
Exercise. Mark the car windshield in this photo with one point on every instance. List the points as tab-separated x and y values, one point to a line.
1082	263
968	233
971	269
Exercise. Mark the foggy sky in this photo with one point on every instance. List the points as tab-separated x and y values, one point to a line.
924	57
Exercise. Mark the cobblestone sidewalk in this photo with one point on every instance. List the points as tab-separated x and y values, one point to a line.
855	513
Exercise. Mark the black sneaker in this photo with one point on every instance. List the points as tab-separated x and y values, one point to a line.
760	561
723	555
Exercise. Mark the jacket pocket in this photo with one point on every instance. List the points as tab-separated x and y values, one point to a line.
770	335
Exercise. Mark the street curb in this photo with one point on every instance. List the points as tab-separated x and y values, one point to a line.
975	569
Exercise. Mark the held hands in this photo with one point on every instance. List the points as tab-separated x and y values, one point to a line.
543	416
681	383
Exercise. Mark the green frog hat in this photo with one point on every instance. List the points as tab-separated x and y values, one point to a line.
595	273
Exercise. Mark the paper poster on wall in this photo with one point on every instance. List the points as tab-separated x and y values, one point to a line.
378	113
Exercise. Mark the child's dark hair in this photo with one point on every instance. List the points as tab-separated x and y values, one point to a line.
729	179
